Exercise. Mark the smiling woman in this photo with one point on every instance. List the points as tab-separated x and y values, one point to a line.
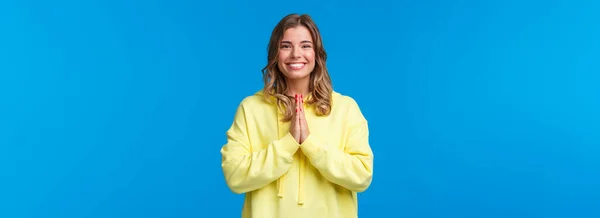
296	53
297	148
296	56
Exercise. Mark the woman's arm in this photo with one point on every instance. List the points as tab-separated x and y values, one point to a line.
352	167
247	170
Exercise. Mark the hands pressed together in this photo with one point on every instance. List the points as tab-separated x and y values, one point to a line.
299	126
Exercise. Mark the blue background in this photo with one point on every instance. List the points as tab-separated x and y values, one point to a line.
476	109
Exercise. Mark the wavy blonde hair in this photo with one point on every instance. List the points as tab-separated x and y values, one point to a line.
320	88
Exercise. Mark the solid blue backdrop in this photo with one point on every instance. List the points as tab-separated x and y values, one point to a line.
476	109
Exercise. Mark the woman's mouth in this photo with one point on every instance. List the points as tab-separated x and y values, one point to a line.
295	66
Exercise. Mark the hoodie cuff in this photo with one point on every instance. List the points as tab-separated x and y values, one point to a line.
312	147
289	144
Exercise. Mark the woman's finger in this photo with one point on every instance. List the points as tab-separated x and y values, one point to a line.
297	103
301	102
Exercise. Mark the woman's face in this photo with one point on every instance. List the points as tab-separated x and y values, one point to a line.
296	59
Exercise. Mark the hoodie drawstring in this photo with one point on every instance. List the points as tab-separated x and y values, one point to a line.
301	171
302	162
301	181
279	133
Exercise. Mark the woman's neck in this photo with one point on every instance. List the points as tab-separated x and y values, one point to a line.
298	87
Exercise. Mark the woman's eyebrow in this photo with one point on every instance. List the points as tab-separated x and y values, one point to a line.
289	42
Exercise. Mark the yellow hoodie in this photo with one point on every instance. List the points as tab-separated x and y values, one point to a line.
283	179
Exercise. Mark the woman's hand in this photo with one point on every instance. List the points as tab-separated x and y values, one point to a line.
299	126
304	131
295	128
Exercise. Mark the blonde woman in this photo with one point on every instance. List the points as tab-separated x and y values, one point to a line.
297	148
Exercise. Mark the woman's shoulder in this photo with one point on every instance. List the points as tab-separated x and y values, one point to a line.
254	100
342	100
348	106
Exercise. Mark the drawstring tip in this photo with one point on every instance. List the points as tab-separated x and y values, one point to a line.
280	187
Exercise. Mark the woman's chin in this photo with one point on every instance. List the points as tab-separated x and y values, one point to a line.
295	75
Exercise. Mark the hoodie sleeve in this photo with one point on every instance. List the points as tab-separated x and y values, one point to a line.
246	169
351	167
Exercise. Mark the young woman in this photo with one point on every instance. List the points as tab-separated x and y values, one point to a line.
297	148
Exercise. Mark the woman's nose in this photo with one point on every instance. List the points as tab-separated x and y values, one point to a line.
296	53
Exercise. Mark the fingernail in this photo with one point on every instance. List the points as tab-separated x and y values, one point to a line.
296	109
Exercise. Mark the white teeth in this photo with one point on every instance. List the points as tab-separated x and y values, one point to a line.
297	66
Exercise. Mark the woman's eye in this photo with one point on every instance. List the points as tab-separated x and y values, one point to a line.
306	46
284	46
